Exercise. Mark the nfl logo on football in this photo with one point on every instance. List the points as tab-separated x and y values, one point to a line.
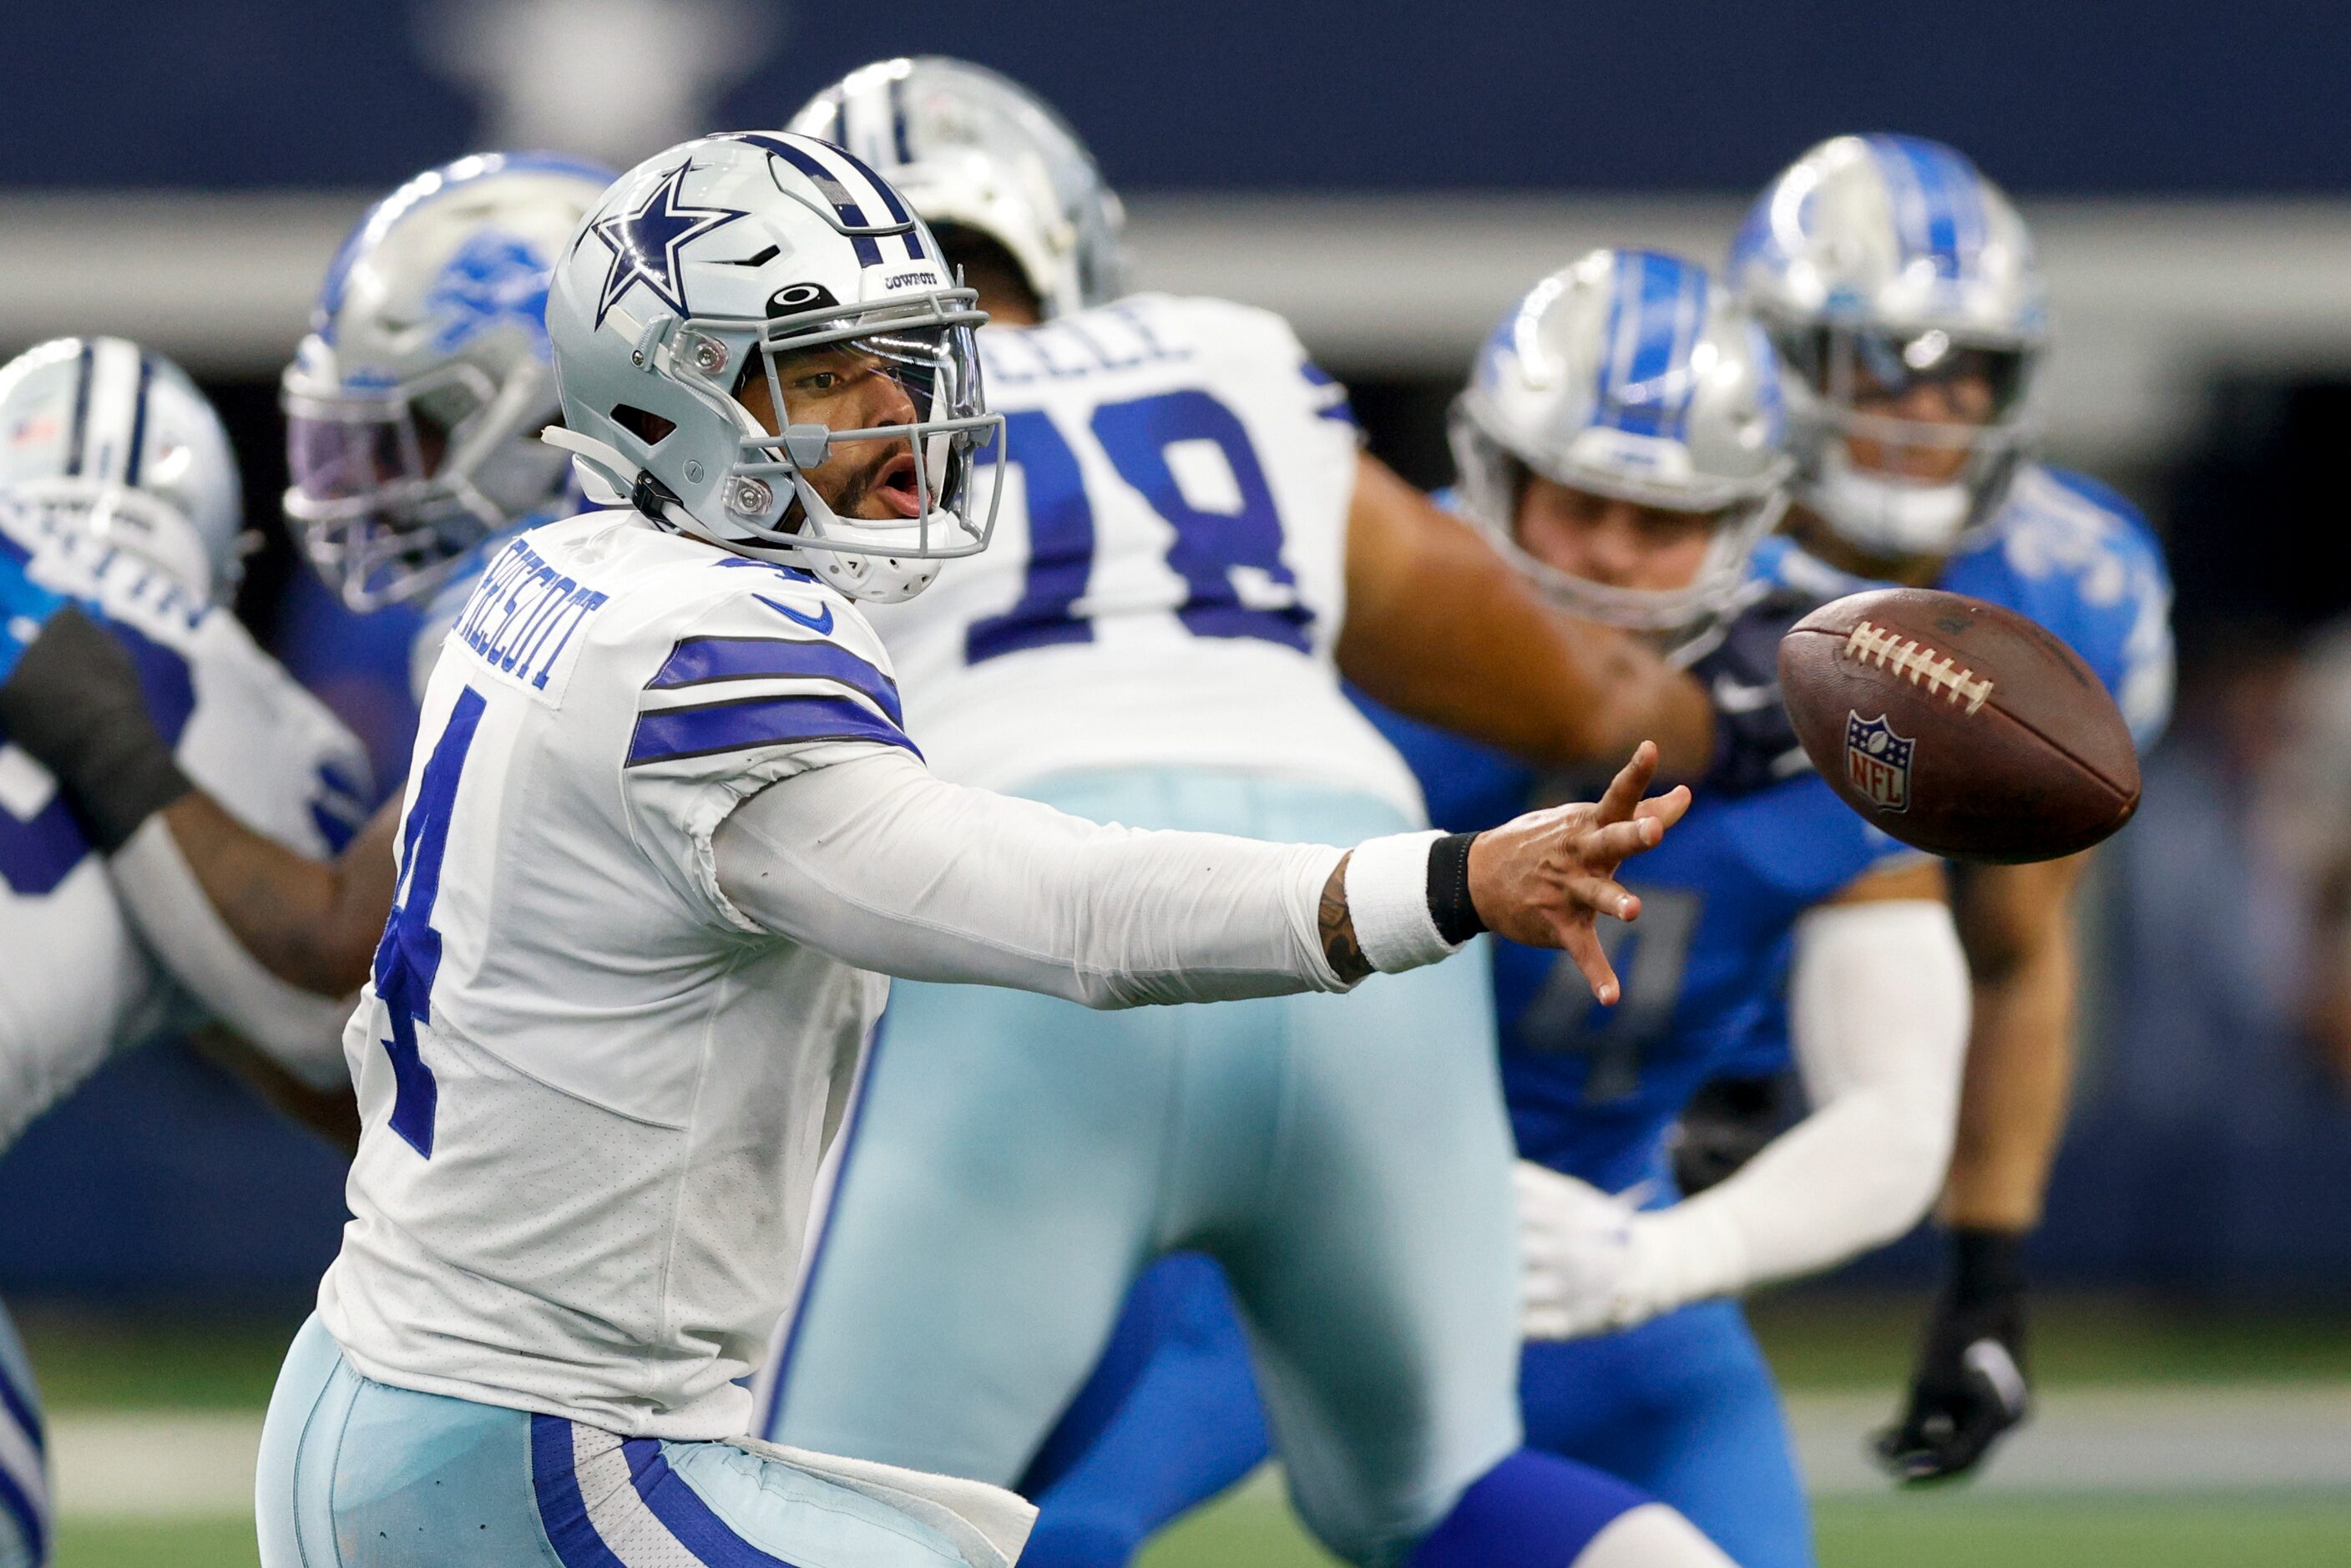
1877	761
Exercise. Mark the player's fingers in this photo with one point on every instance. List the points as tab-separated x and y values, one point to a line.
1667	810
1617	842
1602	897
1625	790
1582	945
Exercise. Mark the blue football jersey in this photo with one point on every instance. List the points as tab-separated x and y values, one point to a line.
1593	1090
2077	558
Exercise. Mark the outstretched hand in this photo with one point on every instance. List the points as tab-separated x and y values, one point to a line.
1543	878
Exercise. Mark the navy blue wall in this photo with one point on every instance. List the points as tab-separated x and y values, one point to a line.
2164	96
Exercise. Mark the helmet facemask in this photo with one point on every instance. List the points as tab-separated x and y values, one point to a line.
1680	620
1891	484
391	485
901	488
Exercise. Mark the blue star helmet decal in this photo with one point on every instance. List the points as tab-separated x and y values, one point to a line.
645	243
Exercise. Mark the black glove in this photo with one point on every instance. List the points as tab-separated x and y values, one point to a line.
73	701
1755	747
1970	1384
1725	1123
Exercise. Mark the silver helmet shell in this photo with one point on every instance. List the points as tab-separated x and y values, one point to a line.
723	258
1629	374
413	406
1878	262
970	147
117	439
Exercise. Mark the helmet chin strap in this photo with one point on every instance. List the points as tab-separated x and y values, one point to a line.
1889	516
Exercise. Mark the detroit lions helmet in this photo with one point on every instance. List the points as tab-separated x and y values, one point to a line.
414	407
118	441
1881	265
1633	375
968	147
778	257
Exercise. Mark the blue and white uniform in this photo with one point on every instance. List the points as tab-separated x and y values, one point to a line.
664	834
79	983
1149	641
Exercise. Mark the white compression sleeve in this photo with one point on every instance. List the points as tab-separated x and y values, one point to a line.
301	1031
884	866
1878	1009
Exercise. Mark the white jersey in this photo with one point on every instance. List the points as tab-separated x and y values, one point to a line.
76	982
1167	578
593	1091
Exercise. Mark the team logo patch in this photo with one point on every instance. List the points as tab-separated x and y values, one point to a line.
1877	761
495	278
644	243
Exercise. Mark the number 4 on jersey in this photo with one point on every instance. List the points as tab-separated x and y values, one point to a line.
409	957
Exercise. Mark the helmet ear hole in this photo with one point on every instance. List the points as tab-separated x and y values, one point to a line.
645	425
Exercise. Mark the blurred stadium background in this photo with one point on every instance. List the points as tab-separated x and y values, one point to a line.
1390	176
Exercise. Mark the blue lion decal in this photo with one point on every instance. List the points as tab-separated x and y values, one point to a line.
496	279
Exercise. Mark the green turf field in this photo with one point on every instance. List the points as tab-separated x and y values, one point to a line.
1953	1531
1897	1532
98	1364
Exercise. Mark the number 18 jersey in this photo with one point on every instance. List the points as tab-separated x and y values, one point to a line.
1169	573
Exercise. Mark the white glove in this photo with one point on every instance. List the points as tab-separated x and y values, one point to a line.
1577	1243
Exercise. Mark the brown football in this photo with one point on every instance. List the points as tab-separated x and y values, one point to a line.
1957	727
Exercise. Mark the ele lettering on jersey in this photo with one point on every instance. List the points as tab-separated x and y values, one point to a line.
522	617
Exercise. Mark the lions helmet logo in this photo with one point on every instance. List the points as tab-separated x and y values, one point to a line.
1877	761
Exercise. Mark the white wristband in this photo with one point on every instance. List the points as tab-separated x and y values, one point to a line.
1387	898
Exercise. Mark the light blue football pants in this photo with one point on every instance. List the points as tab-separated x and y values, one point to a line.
355	1474
1015	1161
23	1467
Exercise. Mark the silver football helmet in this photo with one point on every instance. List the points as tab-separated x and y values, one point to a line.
1629	374
116	440
414	407
1880	263
968	147
778	257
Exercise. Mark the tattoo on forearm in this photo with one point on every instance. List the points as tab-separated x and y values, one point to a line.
1338	943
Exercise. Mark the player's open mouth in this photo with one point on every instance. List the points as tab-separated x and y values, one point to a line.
896	489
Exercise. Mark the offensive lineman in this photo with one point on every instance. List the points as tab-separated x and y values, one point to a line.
117	487
1901	288
1154	646
1597	442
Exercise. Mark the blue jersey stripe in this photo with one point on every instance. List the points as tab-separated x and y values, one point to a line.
18	1506
21	1408
705	661
562	1514
711	727
682	1511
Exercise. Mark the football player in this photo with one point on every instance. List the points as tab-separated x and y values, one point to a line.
1195	540
1620	439
1902	289
664	833
413	409
117	489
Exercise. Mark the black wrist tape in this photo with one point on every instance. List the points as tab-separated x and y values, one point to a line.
74	704
1449	889
1986	1265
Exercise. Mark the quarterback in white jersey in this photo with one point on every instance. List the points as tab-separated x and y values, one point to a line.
662	828
1194	547
117	491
